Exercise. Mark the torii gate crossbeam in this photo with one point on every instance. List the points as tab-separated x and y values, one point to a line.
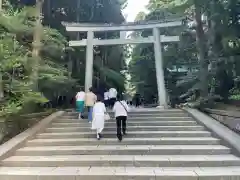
156	39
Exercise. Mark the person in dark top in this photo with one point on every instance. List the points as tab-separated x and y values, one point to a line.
137	100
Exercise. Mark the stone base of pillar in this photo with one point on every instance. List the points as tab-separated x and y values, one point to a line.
162	107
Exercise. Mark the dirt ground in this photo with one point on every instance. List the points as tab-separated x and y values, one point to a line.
227	107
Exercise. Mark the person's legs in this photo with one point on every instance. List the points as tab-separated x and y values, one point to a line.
124	124
119	128
137	103
107	103
80	106
114	100
90	110
98	136
111	101
99	131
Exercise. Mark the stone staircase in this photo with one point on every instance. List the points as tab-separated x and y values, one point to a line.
160	145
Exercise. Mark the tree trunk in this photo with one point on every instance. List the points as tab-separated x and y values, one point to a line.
202	50
78	35
36	44
70	66
215	37
1	80
1	87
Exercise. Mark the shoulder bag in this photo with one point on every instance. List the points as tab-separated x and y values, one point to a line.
123	106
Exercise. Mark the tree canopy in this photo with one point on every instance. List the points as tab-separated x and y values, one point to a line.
205	61
61	69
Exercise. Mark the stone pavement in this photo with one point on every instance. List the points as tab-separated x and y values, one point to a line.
162	145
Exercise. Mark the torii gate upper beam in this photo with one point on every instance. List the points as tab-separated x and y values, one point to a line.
85	27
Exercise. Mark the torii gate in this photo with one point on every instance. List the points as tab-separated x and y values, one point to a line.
156	39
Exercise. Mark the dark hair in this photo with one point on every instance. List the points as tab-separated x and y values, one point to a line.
81	88
99	98
91	89
119	97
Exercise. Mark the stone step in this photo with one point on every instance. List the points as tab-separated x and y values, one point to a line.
141	112
130	128
122	160
120	173
124	150
136	123
112	124
127	141
131	134
138	114
137	118
167	115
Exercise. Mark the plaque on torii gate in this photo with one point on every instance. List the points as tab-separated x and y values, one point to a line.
156	39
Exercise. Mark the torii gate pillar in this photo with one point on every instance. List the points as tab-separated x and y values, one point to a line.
89	61
159	69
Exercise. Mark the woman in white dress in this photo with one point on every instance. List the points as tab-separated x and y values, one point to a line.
99	111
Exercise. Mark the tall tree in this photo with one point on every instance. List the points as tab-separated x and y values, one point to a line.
37	43
201	45
210	56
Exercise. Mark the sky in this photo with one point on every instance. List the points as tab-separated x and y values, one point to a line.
133	8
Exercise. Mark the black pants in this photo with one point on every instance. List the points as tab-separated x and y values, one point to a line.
106	102
138	103
121	126
112	102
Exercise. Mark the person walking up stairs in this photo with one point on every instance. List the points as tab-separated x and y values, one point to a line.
120	110
90	100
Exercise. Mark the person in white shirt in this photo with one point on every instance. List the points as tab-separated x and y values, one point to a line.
99	111
112	94
106	98
121	110
80	98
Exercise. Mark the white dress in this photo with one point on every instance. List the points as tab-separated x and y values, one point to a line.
99	110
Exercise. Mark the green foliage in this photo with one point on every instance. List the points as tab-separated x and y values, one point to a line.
235	97
216	55
16	62
234	94
55	77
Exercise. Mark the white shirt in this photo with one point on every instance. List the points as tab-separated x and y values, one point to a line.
106	95
99	108
80	96
112	93
119	109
